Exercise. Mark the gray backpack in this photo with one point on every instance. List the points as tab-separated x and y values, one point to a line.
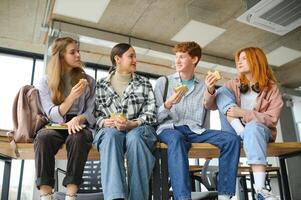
28	117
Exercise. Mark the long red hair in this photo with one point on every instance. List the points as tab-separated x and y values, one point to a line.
258	65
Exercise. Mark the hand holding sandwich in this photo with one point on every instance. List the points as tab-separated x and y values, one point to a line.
211	79
75	93
176	96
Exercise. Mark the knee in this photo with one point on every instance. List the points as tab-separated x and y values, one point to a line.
176	140
77	138
255	131
134	137
111	135
225	99
223	90
41	137
234	140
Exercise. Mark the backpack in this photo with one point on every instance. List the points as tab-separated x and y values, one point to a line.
28	117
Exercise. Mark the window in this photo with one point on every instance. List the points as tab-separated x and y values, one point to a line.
153	82
1	176
14	179
16	74
28	181
90	71
39	71
101	73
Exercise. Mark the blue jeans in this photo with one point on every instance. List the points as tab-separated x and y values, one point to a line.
255	135
138	144
179	141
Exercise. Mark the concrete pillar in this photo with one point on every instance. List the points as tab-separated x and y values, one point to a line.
289	134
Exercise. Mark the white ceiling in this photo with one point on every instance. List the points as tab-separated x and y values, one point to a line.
152	26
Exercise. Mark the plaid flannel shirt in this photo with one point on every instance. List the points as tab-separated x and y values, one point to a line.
137	103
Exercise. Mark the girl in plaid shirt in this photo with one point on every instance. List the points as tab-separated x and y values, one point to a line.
125	111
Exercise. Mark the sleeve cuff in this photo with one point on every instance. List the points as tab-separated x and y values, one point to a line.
163	110
55	115
139	121
208	94
100	122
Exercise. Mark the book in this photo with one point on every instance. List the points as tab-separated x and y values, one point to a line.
60	126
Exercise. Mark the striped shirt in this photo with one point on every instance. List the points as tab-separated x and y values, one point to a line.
189	111
137	102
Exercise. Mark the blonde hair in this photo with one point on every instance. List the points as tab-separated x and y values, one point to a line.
55	69
259	68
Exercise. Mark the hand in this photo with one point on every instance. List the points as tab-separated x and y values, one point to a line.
109	123
210	81
235	112
74	125
123	125
77	90
174	99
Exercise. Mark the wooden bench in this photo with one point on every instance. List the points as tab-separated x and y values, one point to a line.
281	150
160	174
202	150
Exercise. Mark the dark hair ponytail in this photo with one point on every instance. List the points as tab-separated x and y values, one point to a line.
118	50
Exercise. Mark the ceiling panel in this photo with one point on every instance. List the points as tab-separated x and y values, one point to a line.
157	21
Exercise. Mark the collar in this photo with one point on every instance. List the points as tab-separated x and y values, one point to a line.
108	78
177	77
122	77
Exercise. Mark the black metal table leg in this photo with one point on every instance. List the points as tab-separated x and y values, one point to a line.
164	175
284	178
20	180
252	185
280	185
6	179
156	180
243	182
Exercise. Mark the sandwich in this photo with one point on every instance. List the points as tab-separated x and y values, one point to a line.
181	87
216	74
118	116
83	81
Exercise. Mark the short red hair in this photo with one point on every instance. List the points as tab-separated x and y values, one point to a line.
192	48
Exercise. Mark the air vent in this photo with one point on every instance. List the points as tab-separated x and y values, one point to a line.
276	16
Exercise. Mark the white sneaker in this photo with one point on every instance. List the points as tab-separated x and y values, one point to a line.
224	197
264	194
47	197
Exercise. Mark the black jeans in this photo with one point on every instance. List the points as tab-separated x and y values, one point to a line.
46	145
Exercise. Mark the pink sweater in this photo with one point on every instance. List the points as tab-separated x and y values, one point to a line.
266	111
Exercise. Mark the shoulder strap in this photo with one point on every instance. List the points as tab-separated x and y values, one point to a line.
165	89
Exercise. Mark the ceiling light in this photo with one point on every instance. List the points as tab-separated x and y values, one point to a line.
199	32
95	41
140	50
91	10
155	54
214	66
162	55
282	55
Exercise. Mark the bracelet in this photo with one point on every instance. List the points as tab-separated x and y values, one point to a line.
210	92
